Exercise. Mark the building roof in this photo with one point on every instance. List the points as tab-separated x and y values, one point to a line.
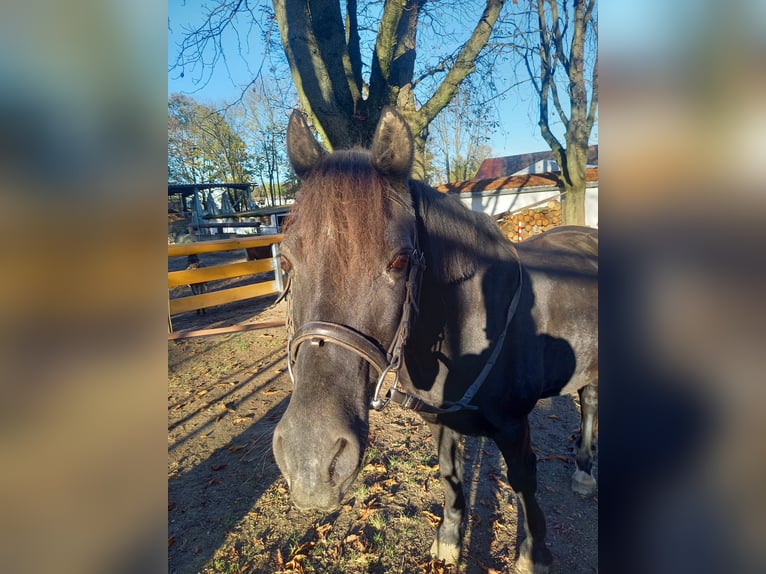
515	182
508	165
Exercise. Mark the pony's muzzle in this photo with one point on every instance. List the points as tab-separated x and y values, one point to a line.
319	467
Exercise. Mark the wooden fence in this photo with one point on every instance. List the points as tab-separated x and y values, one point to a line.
224	271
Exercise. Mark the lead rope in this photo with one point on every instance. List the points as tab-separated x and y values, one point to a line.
409	401
410	305
462	404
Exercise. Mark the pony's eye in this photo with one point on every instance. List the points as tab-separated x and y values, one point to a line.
285	264
400	262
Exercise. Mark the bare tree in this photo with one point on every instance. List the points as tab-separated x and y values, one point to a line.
557	45
262	121
458	136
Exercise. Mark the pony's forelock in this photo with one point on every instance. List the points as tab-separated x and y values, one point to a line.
340	214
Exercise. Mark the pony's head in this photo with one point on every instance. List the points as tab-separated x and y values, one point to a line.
349	248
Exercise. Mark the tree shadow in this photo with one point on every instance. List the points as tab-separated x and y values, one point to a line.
229	482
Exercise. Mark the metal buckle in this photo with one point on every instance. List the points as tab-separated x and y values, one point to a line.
377	403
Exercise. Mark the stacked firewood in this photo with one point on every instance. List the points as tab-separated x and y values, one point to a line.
520	225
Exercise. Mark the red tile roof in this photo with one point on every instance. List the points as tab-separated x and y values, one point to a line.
503	166
519	182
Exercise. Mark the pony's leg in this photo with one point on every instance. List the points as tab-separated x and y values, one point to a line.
449	535
513	442
582	480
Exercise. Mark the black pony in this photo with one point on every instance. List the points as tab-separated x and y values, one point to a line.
399	293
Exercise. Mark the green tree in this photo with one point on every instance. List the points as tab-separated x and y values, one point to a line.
203	146
183	159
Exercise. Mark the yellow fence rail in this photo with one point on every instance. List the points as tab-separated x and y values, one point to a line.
225	271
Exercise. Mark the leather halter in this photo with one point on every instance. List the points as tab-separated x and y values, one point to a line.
386	363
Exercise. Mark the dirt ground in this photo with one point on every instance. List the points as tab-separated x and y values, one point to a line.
229	509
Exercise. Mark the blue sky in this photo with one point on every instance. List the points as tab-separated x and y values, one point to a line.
517	134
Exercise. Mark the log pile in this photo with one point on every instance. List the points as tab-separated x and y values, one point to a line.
520	225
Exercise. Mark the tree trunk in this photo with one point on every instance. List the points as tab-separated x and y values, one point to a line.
572	154
324	58
573	206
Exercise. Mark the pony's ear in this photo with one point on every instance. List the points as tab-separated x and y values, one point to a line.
392	145
303	150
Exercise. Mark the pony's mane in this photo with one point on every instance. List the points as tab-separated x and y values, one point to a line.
455	238
341	211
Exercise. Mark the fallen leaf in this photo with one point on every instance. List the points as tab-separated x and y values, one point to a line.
432	518
554	417
244	419
294	565
375	468
322	531
171	541
365	512
502	483
214	482
218	466
376	489
171	506
237	448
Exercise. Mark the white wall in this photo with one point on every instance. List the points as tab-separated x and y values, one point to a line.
591	207
497	202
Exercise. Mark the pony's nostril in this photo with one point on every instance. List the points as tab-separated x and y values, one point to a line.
337	470
277	448
334	478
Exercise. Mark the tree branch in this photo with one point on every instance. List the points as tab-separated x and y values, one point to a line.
463	66
385	45
594	96
352	40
